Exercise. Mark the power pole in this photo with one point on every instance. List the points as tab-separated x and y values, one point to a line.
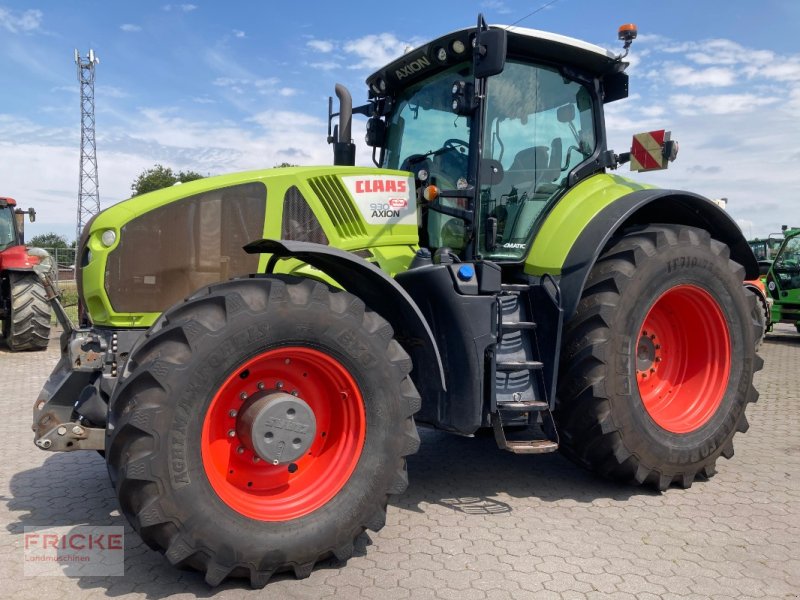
88	190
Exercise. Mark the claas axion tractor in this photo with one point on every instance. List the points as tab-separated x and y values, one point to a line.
256	406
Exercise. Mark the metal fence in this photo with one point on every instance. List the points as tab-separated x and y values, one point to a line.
64	259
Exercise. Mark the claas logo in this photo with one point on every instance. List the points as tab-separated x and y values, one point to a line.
371	186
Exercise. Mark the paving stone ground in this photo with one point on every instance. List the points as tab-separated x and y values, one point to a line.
475	523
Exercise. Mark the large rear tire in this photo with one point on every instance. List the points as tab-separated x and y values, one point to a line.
27	326
658	360
213	390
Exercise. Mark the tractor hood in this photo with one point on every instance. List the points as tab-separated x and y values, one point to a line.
142	255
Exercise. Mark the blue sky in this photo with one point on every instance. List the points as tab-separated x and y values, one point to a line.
220	87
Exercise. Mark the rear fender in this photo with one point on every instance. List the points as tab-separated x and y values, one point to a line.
641	208
378	291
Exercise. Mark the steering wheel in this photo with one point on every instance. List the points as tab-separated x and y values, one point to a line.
453	144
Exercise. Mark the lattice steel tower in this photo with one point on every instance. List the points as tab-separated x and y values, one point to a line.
88	190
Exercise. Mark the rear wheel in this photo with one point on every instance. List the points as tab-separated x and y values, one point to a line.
658	361
260	426
27	325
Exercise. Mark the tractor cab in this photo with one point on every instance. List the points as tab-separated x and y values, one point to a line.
495	124
8	224
12	223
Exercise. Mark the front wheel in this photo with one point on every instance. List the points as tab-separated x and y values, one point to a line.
260	426
658	360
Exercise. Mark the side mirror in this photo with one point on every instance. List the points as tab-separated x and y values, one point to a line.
490	50
376	132
32	215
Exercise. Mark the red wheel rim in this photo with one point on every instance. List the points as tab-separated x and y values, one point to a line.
683	359
258	489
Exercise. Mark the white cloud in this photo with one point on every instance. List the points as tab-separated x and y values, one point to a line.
719	104
182	7
287	91
20	21
109	91
376	50
497	6
130	27
238	33
324	46
682	75
328	65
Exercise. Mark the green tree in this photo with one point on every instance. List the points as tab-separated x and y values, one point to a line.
160	177
284	164
49	240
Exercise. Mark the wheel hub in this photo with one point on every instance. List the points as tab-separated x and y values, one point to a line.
645	352
277	426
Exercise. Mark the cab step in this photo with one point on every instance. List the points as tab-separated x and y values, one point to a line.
523	406
537	445
517	325
530	446
519	365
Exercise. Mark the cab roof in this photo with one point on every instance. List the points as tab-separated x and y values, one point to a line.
522	43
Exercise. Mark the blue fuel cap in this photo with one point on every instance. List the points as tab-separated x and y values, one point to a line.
466	272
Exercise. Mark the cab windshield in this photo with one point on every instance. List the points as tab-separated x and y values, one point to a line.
539	126
424	130
427	138
7	237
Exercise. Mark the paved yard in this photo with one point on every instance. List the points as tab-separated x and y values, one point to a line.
475	523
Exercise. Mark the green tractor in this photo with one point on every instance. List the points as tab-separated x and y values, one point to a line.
766	249
783	280
256	407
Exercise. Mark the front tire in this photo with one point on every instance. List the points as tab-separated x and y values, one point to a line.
658	360
219	378
27	326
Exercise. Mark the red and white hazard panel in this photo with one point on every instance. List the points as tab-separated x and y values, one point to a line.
648	151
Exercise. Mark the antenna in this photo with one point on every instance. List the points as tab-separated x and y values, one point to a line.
533	12
88	188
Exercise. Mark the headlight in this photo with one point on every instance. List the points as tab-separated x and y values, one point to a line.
108	238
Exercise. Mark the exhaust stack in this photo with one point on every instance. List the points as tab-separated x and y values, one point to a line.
344	150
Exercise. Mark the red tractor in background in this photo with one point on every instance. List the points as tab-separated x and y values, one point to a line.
24	308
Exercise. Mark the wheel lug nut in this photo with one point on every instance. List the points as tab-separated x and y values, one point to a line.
279	384
294	392
288	361
652	370
260	385
658	346
231	433
653	336
232	412
243	396
644	334
256	459
240	450
658	359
